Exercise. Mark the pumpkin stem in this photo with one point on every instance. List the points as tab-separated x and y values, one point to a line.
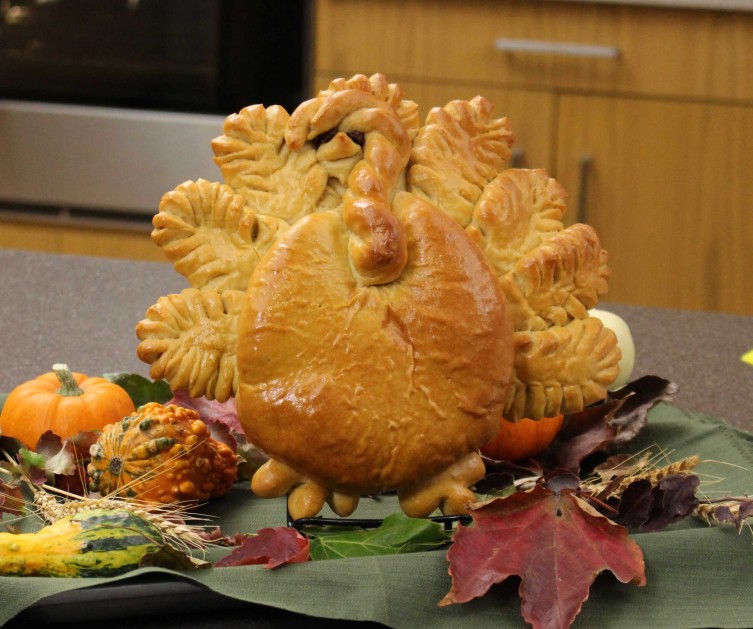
68	385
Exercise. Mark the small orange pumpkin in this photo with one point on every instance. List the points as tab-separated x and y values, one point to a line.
523	438
64	402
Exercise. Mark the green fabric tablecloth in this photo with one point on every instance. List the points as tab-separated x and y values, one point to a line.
698	576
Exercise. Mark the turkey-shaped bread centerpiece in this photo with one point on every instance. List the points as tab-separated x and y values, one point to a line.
377	294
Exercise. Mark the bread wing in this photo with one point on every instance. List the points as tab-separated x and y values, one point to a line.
560	280
258	164
211	236
190	340
457	153
562	369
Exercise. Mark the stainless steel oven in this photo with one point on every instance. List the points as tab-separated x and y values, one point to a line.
107	104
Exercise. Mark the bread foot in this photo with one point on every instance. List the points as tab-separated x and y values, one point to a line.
305	497
447	491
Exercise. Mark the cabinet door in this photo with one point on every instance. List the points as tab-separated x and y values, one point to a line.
619	47
667	190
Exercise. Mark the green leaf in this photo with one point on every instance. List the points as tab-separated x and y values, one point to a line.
397	534
141	390
32	459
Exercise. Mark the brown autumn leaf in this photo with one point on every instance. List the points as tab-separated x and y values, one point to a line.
650	507
608	425
11	499
549	537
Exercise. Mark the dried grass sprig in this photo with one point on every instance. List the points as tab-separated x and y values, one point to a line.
645	468
172	520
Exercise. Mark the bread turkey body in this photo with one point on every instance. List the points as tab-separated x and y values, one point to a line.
368	388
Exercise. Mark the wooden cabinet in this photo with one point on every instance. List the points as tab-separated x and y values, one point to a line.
666	187
644	114
109	242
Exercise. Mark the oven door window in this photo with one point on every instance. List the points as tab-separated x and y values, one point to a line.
152	54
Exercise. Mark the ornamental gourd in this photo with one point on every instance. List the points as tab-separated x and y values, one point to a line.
161	454
91	543
522	439
63	402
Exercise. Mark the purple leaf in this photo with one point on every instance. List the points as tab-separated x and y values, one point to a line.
638	398
674	500
635	504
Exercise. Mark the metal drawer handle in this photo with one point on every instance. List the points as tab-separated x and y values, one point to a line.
585	165
568	49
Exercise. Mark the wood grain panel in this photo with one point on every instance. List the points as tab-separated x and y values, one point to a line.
667	193
688	53
50	238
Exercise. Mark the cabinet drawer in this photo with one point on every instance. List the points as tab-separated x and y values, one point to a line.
658	51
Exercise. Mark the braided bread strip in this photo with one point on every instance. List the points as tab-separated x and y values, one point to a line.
190	340
377	246
562	369
211	236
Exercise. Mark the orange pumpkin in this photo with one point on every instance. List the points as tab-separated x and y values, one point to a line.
64	402
523	438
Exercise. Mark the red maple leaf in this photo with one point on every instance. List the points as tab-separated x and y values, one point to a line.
549	537
271	546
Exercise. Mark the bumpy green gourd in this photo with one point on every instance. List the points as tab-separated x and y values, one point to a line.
91	543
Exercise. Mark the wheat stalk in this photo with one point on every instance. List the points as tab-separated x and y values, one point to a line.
653	475
170	519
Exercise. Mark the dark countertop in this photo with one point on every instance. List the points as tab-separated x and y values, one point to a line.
82	311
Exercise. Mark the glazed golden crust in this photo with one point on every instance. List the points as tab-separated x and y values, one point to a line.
551	275
365	388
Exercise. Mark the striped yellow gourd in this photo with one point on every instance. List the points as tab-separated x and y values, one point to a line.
91	543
